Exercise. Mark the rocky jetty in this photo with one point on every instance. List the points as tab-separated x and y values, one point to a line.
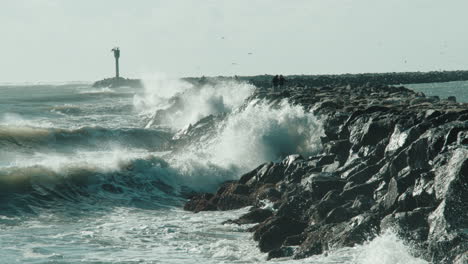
118	82
356	80
392	158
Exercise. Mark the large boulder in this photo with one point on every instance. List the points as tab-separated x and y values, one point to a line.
449	222
274	231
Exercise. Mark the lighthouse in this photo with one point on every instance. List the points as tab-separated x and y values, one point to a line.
116	51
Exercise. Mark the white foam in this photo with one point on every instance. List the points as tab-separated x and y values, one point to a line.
17	120
250	136
261	133
384	249
103	160
186	103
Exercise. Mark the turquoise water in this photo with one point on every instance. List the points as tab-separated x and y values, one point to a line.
443	90
88	175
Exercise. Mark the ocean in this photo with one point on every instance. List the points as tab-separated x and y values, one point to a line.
91	175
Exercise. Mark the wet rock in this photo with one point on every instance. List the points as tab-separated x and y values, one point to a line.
324	237
462	138
351	191
412	225
280	253
232	196
294	240
266	192
362	203
321	183
448	221
200	202
391	158
257	215
339	214
272	234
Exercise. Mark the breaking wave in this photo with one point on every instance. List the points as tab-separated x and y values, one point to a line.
127	164
386	248
260	132
34	138
177	103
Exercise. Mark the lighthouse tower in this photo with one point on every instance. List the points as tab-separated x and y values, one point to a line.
116	51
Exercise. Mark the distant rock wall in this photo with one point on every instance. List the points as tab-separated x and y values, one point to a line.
356	80
119	82
392	158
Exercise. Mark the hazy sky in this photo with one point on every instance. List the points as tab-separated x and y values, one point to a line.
70	40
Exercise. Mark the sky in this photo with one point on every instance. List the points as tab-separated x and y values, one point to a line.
70	40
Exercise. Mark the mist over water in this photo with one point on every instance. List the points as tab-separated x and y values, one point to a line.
92	176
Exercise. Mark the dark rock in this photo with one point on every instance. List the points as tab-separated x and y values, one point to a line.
365	189
364	174
295	204
340	148
447	222
452	99
391	196
362	203
272	234
325	160
294	240
355	231
280	253
417	157
267	192
229	201
406	201
423	190
391	158
411	225
462	138
339	214
321	183
118	82
255	216
453	134
200	202
318	212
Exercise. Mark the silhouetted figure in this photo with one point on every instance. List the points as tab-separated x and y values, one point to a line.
281	80
202	80
275	81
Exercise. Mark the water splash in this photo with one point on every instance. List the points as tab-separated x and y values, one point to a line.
176	103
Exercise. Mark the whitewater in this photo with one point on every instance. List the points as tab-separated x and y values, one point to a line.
100	175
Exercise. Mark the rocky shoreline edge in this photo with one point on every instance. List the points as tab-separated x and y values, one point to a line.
392	158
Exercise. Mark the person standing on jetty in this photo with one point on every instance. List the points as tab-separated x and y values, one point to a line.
281	81
275	82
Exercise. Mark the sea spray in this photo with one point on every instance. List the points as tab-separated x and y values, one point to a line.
177	103
261	132
253	134
386	248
